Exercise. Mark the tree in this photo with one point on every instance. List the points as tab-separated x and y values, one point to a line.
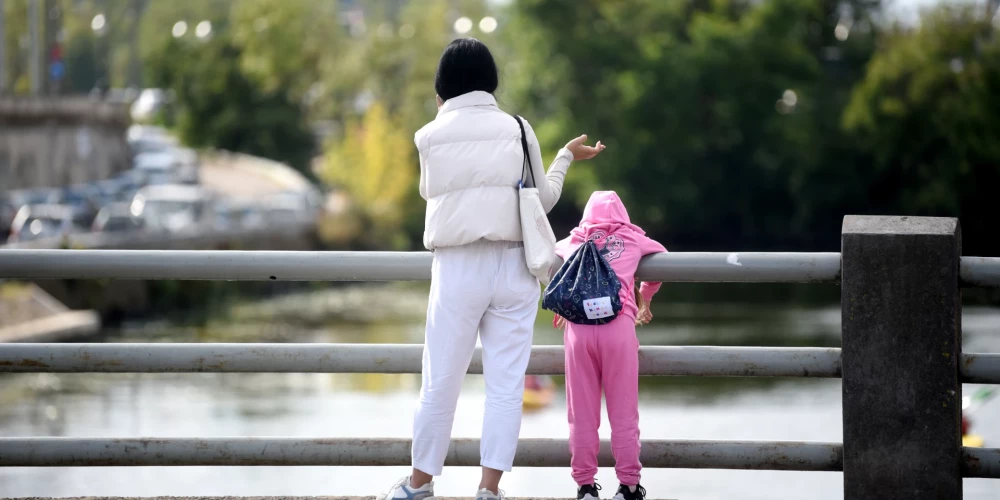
926	115
15	30
374	165
220	107
684	94
285	44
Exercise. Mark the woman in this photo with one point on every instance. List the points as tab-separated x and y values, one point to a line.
471	162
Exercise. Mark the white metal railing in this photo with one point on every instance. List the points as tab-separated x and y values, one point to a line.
326	358
692	361
379	266
747	267
786	455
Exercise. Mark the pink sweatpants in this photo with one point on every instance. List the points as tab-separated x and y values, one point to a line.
603	356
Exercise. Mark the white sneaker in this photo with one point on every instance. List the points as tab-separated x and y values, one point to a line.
485	494
403	491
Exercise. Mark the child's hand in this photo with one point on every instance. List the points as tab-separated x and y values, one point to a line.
582	151
644	316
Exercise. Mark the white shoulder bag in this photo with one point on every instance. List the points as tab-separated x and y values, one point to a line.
539	240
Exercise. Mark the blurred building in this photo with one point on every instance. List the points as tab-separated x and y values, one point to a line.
61	141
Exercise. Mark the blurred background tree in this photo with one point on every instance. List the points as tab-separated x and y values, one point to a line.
373	164
926	117
219	103
731	124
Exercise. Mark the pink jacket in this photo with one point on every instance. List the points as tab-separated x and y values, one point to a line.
621	242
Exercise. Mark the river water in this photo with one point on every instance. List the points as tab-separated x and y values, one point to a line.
326	405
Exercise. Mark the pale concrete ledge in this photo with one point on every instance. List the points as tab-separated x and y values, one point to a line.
29	314
55	328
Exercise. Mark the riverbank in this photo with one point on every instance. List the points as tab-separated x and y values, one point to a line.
28	314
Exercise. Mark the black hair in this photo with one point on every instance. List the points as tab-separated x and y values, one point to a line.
466	66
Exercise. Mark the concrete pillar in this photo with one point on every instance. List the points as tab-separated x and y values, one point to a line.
901	312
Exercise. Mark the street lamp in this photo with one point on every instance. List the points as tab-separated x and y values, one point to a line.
488	24
180	28
463	25
203	29
98	23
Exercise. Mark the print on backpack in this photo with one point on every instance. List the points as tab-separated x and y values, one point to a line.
585	290
613	245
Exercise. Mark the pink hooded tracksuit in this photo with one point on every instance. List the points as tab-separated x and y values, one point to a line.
607	356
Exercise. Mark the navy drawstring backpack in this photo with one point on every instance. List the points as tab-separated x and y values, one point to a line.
585	289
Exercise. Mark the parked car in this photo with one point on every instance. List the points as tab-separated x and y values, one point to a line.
83	200
12	201
279	211
34	222
293	206
7	213
309	199
230	215
116	190
167	167
149	139
190	165
21	197
133	179
172	207
118	218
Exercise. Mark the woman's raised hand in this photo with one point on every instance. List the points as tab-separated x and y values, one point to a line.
582	151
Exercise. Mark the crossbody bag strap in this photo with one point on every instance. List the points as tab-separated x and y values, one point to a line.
527	156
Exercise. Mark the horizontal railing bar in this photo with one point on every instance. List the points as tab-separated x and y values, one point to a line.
707	361
395	358
980	368
981	462
89	452
283	451
379	266
760	267
980	271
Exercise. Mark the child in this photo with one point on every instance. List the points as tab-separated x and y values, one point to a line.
607	356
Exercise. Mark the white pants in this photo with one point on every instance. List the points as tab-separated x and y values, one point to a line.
482	287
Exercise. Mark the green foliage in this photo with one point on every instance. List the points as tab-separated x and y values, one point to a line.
730	124
219	106
285	43
684	95
926	113
373	164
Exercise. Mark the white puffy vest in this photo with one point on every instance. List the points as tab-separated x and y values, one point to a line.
470	163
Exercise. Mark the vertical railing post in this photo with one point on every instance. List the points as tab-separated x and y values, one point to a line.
901	315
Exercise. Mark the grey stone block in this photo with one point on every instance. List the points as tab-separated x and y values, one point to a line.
901	307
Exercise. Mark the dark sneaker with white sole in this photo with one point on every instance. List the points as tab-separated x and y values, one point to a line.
636	492
588	492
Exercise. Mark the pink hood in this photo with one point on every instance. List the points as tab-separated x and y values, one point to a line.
604	212
624	244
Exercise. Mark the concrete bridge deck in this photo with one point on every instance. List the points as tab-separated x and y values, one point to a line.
261	498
